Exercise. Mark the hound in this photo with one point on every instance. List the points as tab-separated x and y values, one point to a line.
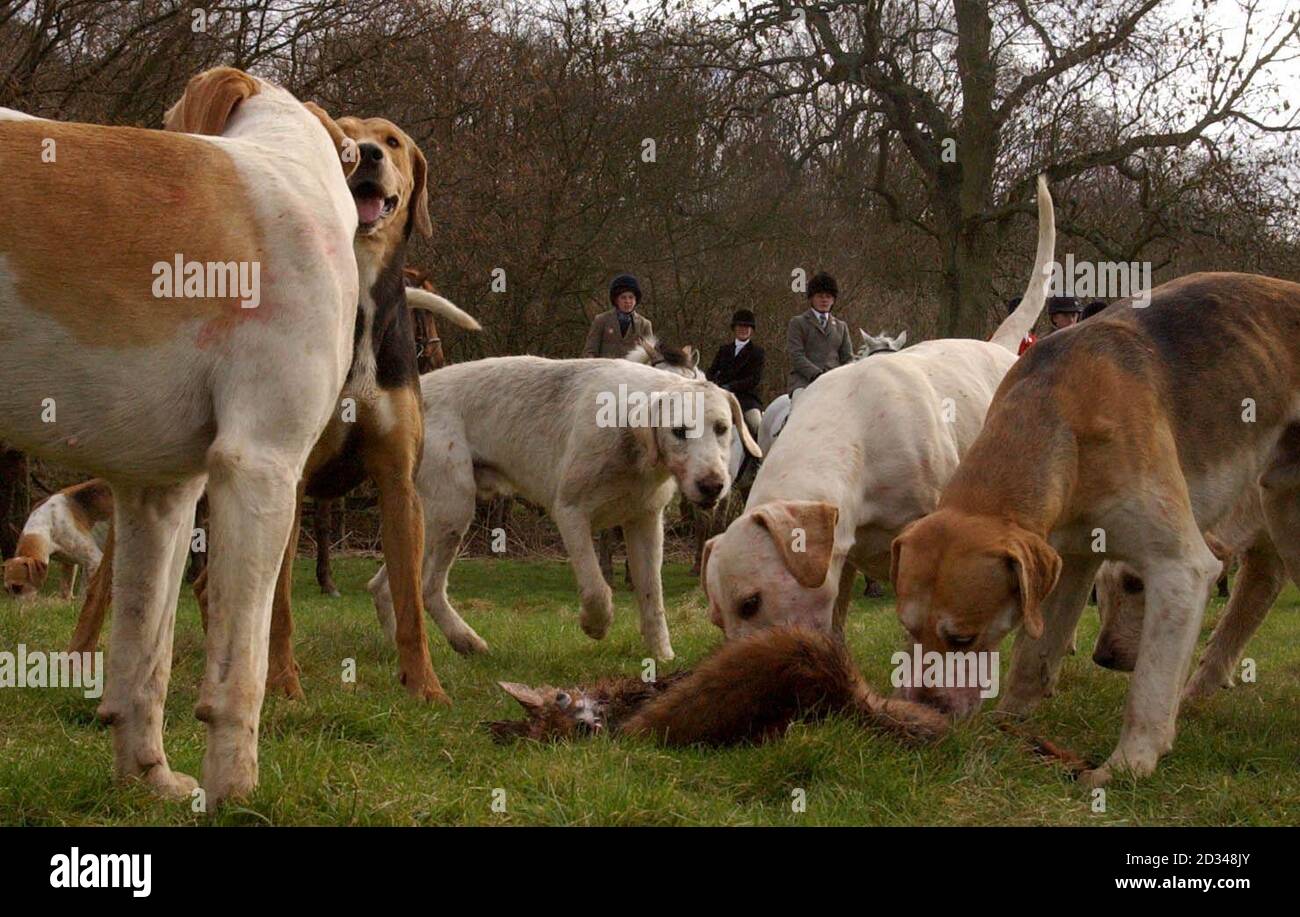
1122	438
542	429
867	452
160	382
61	528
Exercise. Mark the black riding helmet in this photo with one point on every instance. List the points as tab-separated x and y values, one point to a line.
1060	304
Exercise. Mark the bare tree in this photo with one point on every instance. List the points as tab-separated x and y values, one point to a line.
978	96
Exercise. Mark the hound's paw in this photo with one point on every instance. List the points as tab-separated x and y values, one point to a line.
1097	777
466	642
286	683
597	614
1206	683
1134	764
167	783
230	783
425	686
658	645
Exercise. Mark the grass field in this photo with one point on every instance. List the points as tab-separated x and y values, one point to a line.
364	754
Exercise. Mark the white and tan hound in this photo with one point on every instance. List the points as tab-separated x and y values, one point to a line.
61	528
1122	438
161	389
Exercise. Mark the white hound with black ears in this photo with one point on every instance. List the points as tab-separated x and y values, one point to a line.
160	394
540	429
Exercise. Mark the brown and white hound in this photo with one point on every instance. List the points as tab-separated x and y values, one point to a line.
1122	438
60	528
162	389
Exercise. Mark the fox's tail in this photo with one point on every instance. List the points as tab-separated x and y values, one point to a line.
752	689
1019	323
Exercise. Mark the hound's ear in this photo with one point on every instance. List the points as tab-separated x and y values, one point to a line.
895	551
804	533
420	195
209	100
36	570
528	697
704	563
901	340
738	421
1036	567
345	146
646	438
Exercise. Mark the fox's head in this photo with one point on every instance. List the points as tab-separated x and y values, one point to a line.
554	714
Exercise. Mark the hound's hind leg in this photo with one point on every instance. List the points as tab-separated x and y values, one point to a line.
152	526
252	492
1258	584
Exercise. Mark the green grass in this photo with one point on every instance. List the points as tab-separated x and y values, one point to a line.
364	754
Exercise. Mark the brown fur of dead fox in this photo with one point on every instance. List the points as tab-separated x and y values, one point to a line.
749	690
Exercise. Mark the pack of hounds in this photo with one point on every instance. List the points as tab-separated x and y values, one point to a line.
952	468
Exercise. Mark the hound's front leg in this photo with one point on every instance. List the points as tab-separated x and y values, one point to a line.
1036	664
391	464
597	599
1176	593
152	526
645	551
67	580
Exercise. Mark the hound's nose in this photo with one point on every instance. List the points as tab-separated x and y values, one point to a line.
15	590
709	489
371	151
1104	656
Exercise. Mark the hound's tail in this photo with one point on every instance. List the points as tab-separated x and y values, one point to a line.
1019	323
441	308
